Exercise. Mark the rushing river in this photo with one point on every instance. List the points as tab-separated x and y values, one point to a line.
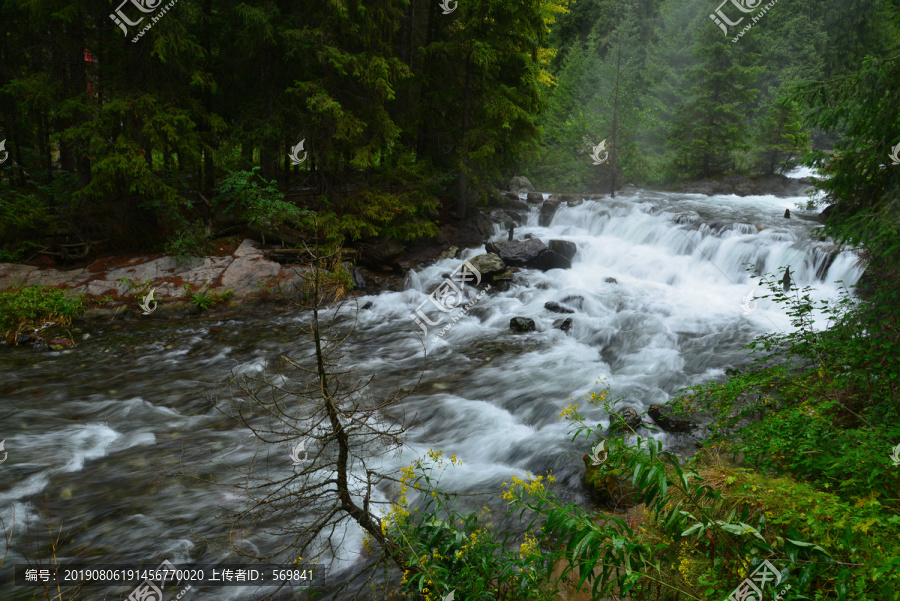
94	433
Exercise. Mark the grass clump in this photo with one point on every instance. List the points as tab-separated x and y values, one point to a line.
31	307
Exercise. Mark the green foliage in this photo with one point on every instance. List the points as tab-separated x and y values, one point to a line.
191	240
461	550
32	306
259	202
206	299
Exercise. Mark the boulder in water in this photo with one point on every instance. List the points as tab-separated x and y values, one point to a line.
555	307
488	265
611	281
574	202
625	422
563	247
549	259
548	210
563	324
787	213
517	253
575	300
535	197
521	324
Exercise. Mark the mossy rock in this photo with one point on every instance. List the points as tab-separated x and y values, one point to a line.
608	489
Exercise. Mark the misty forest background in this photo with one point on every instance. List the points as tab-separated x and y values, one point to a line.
410	116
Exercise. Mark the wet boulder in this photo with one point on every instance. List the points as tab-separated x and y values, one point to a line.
574	202
535	197
521	324
555	307
450	253
606	488
549	259
563	324
548	210
563	247
667	419
611	281
625	422
488	265
517	253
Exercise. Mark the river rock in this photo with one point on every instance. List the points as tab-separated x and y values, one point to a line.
535	197
551	260
520	184
787	213
626	421
611	281
555	307
450	253
521	324
575	300
488	265
563	324
517	253
574	202
666	418
608	489
563	247
548	210
359	282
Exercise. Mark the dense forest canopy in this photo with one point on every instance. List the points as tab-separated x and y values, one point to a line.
157	126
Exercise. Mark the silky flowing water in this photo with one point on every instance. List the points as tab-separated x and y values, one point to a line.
92	432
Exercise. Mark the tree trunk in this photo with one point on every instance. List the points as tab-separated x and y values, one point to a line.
614	149
209	173
464	146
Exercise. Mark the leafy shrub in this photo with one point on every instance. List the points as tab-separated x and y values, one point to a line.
32	306
205	299
260	203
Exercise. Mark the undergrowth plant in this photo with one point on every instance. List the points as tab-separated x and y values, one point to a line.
205	299
31	307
